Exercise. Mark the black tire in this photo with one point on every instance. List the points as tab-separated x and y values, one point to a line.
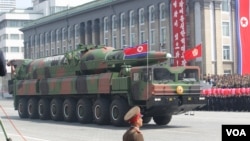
101	111
146	119
56	109
84	112
32	108
118	109
22	108
162	120
43	109
69	110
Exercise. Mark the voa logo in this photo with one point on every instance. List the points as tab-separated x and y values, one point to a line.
236	132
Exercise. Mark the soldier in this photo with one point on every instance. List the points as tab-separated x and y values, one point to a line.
134	118
2	64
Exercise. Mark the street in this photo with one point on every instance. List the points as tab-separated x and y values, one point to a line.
203	125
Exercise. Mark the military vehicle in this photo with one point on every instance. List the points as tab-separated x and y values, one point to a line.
99	84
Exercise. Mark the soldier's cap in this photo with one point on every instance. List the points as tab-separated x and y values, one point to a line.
133	114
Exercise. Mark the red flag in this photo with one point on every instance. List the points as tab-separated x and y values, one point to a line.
193	53
139	50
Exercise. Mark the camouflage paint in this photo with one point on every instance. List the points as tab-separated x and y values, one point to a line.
100	72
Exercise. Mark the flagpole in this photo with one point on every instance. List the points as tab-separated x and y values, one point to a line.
202	77
147	69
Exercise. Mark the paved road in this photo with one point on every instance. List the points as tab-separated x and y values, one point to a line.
202	126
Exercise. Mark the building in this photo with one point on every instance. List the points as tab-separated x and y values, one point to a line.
7	5
11	38
121	23
48	7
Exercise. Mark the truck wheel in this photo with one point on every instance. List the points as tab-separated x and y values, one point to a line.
32	108
22	108
162	120
56	109
69	108
118	109
84	112
43	109
101	111
146	119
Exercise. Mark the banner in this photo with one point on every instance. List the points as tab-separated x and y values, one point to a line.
193	53
179	30
243	32
136	51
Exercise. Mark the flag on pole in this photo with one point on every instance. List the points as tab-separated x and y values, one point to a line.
136	51
193	53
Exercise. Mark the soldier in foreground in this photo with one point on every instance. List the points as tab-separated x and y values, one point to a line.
134	118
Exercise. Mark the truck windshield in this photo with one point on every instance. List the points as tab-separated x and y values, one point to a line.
189	75
163	74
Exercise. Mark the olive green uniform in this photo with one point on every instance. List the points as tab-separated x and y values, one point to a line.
133	134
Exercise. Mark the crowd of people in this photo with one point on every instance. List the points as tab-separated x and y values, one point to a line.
227	93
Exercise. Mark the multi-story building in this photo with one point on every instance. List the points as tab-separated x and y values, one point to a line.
7	5
48	7
11	38
121	23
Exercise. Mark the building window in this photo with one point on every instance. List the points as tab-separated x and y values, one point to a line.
14	49
132	39
5	49
57	35
70	33
123	41
52	36
77	30
47	53
122	20
132	18
225	26
64	34
227	72
142	37
114	23
106	40
225	5
163	35
46	38
226	53
41	39
5	36
162	11
151	14
114	42
52	52
152	37
141	17
14	36
58	50
37	40
105	24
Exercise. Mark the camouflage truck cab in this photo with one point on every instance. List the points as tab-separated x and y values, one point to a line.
98	84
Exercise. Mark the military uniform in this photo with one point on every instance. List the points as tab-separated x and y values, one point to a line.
133	133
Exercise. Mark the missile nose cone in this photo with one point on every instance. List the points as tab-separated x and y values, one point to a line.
168	55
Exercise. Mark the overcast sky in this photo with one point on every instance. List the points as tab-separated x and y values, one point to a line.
23	3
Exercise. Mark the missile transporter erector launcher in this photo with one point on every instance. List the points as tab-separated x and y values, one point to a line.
98	84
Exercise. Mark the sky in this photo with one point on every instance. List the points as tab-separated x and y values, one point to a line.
23	3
